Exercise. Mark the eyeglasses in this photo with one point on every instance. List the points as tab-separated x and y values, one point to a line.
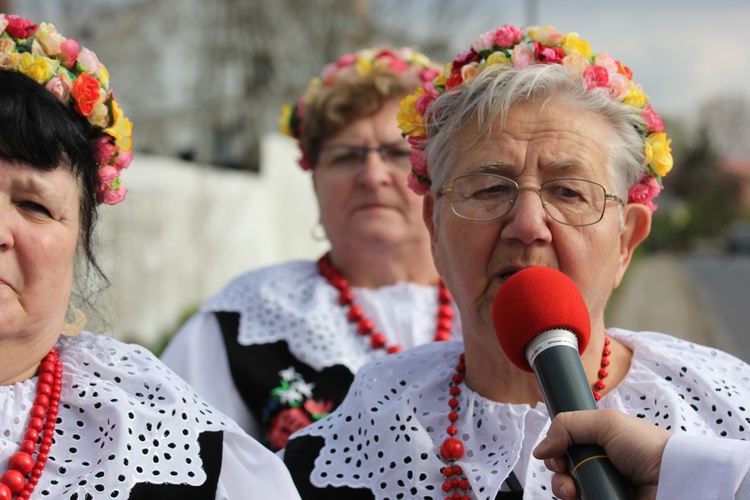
347	156
486	197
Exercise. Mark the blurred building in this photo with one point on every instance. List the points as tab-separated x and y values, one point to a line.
738	170
185	230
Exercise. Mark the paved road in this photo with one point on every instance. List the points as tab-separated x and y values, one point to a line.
723	284
659	294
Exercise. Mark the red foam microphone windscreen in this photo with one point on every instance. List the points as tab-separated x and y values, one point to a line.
533	301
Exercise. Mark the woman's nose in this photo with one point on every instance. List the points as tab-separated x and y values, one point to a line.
374	170
6	233
527	220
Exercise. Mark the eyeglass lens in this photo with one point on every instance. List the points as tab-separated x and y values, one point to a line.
484	197
343	155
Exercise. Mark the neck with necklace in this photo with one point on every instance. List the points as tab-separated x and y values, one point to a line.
455	484
365	326
25	469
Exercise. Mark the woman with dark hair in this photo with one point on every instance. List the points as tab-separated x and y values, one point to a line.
86	416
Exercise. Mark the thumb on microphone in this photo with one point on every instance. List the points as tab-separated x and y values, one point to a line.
634	447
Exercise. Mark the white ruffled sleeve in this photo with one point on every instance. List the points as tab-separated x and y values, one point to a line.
249	470
197	354
705	467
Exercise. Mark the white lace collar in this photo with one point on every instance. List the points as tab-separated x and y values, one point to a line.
124	418
398	405
396	413
292	302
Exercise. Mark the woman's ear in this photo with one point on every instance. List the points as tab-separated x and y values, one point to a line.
637	218
428	215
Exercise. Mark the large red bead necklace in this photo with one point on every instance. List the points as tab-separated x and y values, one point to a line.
365	326
452	448
23	475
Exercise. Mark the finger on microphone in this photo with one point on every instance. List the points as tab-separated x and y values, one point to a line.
563	487
566	430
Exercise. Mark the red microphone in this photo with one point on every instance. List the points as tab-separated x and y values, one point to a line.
535	300
543	325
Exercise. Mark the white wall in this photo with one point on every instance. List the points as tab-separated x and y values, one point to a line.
185	230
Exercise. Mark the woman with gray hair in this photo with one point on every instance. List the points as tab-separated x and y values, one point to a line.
535	155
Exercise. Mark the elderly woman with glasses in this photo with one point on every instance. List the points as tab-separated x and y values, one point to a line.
278	348
532	152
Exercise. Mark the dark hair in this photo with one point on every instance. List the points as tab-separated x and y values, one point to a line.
38	130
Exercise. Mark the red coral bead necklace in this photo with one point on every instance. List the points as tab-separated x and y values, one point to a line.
455	484
24	470
365	326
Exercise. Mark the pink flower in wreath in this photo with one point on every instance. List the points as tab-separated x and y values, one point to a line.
346	60
69	51
484	42
428	74
123	159
60	86
397	65
416	186
606	61
418	161
111	196
104	149
89	61
507	36
596	77
523	56
548	55
284	424
652	119
305	160
619	85
425	100
108	174
645	191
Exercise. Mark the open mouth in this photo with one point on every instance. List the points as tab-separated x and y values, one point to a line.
510	271
504	276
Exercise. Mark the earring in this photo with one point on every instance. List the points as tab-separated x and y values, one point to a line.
318	232
74	327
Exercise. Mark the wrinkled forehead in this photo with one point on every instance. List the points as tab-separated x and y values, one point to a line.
549	139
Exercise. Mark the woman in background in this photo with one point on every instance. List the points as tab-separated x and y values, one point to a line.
278	348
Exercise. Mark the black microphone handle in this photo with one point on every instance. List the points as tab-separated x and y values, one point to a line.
564	386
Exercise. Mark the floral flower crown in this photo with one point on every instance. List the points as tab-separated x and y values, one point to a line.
541	45
74	75
404	61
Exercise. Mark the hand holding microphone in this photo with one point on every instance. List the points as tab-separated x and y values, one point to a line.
634	446
542	324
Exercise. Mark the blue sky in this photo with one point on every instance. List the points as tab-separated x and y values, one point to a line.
682	52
